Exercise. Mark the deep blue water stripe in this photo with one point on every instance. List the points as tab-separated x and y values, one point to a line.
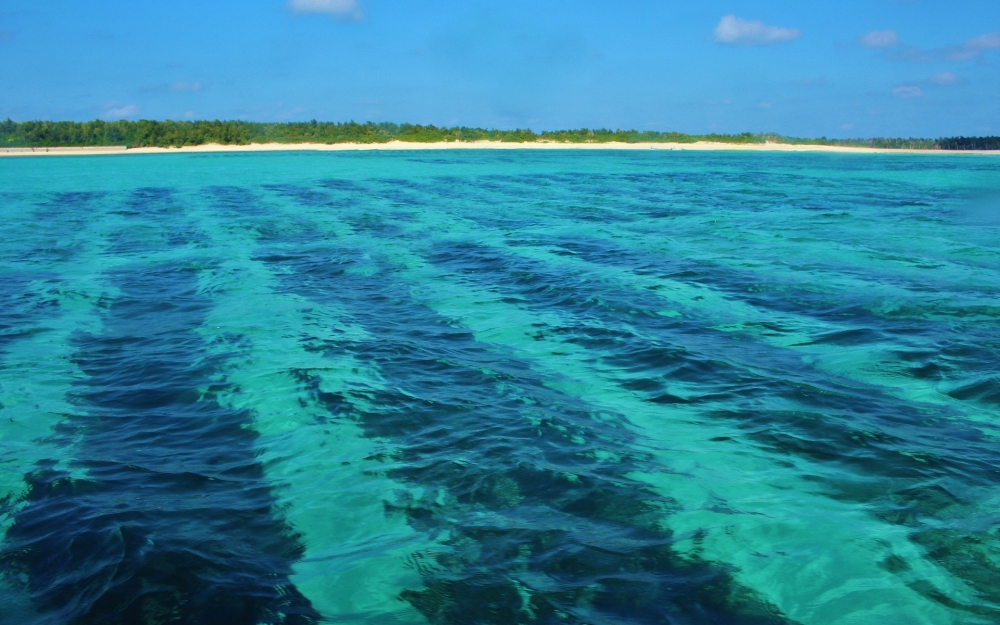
724	278
826	430
29	287
174	521
601	316
533	281
460	417
174	517
644	201
668	357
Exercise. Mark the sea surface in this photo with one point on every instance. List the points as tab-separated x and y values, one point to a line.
482	387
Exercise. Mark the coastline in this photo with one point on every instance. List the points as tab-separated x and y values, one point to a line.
472	145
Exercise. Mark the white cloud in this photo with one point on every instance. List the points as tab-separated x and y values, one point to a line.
880	39
764	105
740	32
906	91
118	112
189	87
340	9
944	79
846	126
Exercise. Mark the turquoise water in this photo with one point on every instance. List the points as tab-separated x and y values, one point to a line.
500	387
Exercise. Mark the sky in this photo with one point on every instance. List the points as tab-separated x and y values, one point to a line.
850	68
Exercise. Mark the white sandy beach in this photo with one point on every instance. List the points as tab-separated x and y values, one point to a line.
476	145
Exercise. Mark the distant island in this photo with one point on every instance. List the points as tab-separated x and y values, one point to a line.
176	134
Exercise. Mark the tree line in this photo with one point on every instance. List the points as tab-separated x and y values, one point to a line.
149	133
970	143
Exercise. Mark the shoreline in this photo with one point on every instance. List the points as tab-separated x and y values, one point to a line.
701	146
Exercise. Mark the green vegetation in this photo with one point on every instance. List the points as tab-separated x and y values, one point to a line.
970	143
146	133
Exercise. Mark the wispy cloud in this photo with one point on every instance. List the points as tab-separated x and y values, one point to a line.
892	46
944	79
914	54
340	9
185	87
737	31
966	51
6	35
912	90
907	91
973	48
985	42
880	39
118	112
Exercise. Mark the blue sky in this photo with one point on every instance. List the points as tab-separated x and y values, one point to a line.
806	68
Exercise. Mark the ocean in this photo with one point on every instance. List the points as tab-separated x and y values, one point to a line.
499	387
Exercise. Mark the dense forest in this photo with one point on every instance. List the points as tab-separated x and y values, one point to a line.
970	143
146	133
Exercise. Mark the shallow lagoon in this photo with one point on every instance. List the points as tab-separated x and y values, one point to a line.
500	387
